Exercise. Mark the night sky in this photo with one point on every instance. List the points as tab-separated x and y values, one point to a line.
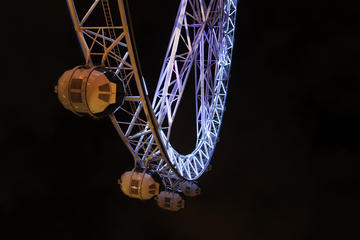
284	168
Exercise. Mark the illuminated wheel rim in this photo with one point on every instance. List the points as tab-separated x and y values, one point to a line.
209	54
200	47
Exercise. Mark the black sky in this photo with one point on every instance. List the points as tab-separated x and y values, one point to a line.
284	168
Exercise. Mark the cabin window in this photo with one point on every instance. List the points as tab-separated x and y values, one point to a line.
134	183
104	88
75	97
134	190
104	97
76	83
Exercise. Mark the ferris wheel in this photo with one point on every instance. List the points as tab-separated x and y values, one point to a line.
110	84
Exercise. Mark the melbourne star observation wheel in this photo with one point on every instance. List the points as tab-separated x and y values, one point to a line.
110	83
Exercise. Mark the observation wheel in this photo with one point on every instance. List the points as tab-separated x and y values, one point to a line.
110	83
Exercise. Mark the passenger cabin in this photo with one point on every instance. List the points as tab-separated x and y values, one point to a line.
139	185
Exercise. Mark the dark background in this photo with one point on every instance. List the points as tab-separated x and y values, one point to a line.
285	166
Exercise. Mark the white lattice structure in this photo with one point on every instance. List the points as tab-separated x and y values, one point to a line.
200	50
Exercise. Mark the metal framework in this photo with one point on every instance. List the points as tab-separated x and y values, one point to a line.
200	49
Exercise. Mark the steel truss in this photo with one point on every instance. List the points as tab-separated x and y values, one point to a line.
200	48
